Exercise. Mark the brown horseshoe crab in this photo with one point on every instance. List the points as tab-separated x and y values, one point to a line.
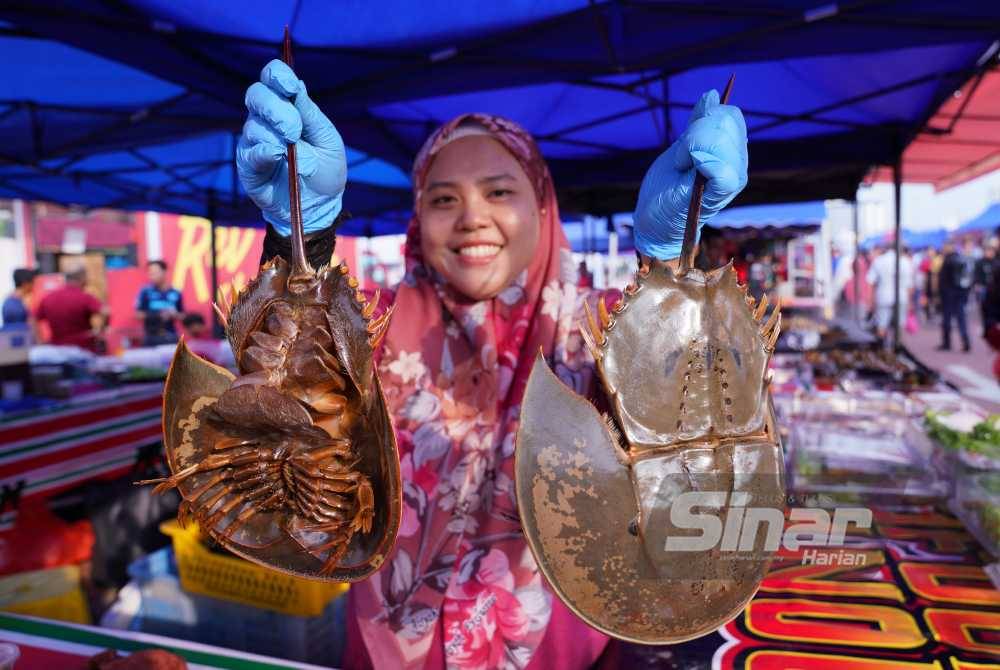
682	360
293	464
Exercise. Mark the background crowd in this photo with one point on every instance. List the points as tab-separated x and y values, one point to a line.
71	315
947	287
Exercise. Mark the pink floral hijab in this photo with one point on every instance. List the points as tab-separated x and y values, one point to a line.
454	374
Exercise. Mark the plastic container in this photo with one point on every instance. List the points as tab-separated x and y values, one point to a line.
877	408
154	602
232	578
957	458
50	594
884	458
977	504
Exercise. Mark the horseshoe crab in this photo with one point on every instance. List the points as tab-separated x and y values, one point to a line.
292	464
604	499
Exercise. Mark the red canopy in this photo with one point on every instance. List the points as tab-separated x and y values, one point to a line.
960	142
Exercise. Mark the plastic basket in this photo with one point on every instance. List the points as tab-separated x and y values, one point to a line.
50	594
232	578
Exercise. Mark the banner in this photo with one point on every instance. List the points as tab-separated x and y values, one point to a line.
185	245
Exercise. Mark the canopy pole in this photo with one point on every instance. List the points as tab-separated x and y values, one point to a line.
897	183
217	330
856	278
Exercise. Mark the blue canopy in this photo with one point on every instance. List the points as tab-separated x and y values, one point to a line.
795	217
593	234
913	239
988	220
134	104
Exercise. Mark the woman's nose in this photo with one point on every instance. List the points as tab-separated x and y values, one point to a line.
475	215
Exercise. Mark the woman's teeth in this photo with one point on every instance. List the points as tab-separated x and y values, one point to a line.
480	250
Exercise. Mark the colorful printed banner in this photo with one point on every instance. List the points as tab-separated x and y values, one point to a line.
914	596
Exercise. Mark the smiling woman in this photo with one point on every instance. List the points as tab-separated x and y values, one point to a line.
479	215
490	283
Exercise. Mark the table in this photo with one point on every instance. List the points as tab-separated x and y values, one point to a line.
48	644
100	435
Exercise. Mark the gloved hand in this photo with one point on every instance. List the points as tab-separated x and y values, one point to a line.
281	112
714	144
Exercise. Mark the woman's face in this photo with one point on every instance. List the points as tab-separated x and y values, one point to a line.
479	219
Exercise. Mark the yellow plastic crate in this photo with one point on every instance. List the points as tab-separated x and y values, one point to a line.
232	578
51	594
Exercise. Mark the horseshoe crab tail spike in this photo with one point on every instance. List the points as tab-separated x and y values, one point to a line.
761	306
301	270
602	313
594	330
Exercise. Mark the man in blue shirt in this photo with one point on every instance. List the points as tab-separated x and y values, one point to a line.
15	312
159	305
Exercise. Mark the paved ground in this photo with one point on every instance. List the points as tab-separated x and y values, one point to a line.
972	372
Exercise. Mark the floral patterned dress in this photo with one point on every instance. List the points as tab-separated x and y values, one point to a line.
461	589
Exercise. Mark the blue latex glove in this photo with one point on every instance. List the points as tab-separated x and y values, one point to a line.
715	144
281	112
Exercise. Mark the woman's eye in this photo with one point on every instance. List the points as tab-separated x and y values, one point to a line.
500	192
443	200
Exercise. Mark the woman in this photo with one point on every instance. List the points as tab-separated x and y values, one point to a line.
490	280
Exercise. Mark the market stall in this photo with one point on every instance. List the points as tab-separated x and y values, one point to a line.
97	435
785	249
859	426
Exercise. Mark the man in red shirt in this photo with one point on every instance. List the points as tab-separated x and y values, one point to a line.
68	311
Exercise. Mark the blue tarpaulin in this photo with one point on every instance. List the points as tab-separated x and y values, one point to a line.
135	104
592	234
989	220
794	217
911	238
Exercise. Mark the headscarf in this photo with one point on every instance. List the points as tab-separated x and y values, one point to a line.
454	372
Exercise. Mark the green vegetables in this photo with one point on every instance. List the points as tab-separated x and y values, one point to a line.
983	439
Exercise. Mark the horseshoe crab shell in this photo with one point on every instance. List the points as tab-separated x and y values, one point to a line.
604	499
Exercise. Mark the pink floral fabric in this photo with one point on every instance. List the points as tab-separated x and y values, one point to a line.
462	589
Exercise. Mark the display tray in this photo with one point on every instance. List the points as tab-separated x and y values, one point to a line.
860	444
867	457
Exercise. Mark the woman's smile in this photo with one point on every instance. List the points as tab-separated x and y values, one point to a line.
478	254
